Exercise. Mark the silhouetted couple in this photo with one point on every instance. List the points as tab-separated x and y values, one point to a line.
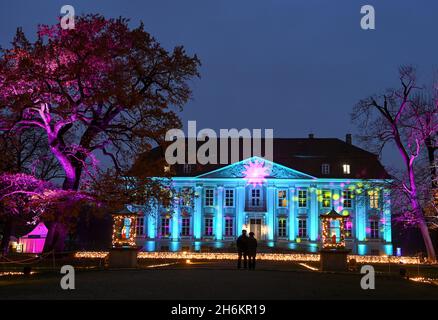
246	248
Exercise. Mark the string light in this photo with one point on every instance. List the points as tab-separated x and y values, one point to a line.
424	280
161	265
293	257
13	273
308	267
327	220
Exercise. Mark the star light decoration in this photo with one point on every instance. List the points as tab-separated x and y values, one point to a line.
256	172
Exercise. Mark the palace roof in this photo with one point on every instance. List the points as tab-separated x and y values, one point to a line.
305	155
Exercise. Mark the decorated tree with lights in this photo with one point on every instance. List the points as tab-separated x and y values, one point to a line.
100	88
398	117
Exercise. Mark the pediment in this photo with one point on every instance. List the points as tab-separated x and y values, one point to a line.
274	170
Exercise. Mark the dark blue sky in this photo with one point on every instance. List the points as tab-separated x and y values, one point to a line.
295	66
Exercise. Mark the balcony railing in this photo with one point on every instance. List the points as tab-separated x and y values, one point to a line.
255	206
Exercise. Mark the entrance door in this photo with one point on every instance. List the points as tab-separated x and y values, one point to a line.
255	225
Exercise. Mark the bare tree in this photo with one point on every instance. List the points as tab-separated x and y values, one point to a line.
397	117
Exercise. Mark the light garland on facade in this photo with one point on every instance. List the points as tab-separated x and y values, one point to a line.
295	257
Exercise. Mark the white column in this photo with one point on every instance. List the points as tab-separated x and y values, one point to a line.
387	234
240	208
219	212
270	206
292	214
313	215
175	220
360	201
152	218
337	195
197	213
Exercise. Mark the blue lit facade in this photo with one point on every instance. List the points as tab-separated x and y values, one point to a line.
282	212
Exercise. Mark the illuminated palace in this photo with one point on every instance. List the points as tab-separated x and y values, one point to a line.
307	178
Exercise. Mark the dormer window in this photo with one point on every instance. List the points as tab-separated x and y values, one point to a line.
325	168
346	168
187	168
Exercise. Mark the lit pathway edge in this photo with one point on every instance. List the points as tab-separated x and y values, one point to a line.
261	256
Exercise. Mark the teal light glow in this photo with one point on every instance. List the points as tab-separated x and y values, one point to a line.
197	213
360	221
151	227
219	210
175	246
361	249
313	247
149	246
388	249
175	224
313	217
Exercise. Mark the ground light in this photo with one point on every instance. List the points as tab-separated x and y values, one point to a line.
298	257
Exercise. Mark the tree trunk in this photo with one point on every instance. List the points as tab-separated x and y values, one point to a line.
427	241
56	235
7	233
57	230
431	157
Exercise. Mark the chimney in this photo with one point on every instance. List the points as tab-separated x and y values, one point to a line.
311	135
348	138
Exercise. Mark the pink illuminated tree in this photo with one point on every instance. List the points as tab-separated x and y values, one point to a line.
26	200
100	88
16	192
398	117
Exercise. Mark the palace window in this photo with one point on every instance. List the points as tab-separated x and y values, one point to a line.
325	168
209	197
302	198
255	197
302	227
282	227
326	198
229	197
282	198
139	226
346	168
374	229
185	226
229	226
165	226
374	199
348	227
208	226
187	196
347	196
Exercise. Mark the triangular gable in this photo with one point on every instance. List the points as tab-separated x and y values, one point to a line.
235	170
